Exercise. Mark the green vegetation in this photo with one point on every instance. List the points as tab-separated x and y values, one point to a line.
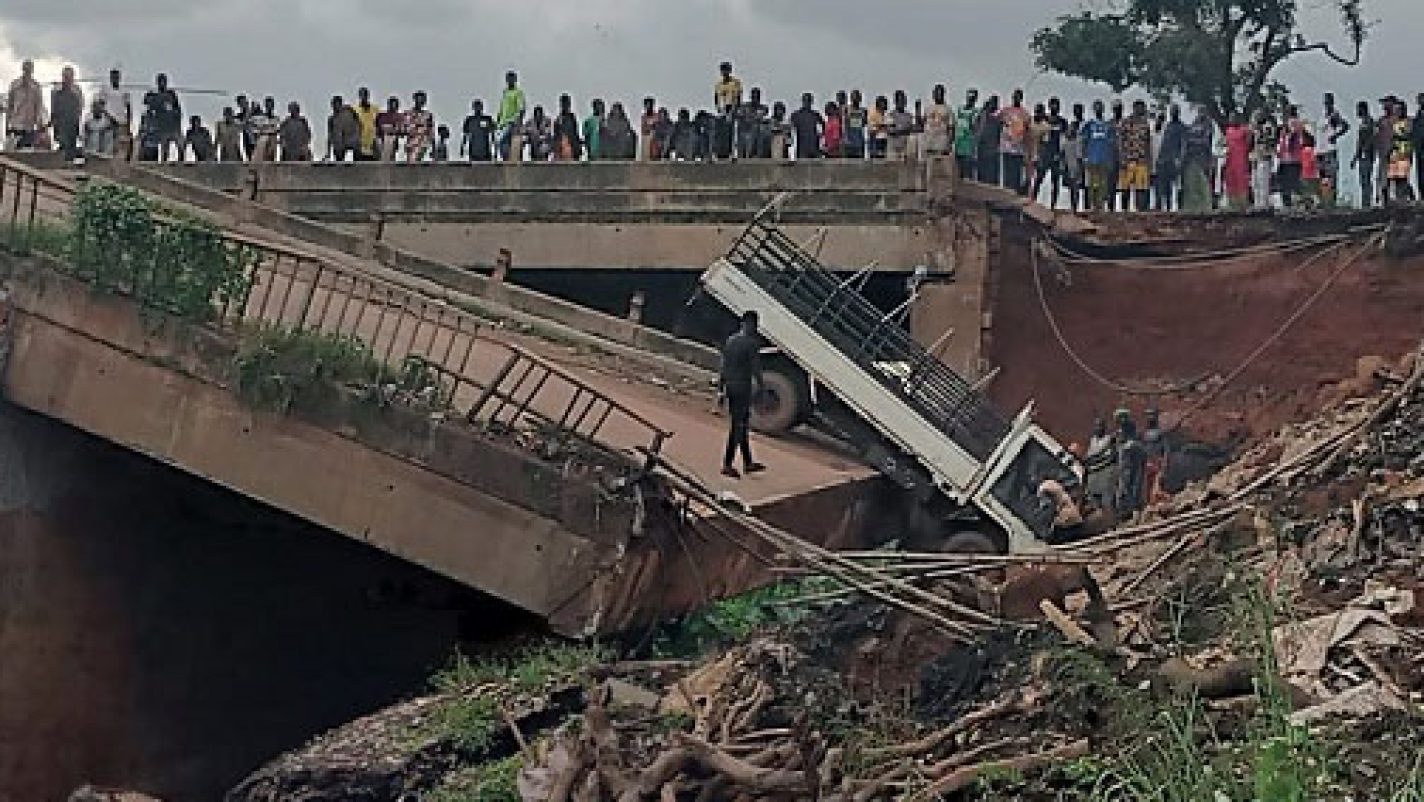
735	619
121	241
1221	53
275	365
473	719
496	781
526	670
1411	788
1173	751
46	236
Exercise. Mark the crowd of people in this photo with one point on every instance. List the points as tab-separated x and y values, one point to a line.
1099	157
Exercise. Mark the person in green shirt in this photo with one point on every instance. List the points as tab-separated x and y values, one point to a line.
593	132
966	135
511	113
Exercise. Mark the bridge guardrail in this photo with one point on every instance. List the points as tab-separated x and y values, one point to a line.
486	380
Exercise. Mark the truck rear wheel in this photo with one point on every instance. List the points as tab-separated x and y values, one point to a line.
968	541
784	403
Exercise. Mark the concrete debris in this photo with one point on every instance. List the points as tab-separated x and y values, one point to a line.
1303	648
1304	556
1360	701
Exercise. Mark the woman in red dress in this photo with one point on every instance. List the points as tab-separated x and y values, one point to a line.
1236	173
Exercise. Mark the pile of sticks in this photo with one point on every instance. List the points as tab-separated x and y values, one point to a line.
746	742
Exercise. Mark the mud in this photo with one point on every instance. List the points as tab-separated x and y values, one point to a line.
1148	328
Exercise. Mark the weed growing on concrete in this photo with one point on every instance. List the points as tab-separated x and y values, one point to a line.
527	671
121	241
48	237
472	718
275	365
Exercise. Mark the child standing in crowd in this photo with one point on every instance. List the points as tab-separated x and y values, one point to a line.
98	130
441	151
198	141
832	141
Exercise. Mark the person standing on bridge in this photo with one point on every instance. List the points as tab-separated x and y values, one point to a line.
739	384
66	112
510	119
478	134
25	114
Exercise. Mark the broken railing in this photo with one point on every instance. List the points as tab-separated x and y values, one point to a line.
487	380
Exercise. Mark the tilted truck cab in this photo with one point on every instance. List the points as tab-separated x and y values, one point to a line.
901	408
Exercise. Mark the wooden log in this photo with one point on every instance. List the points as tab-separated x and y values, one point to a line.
931	743
962	777
692	753
1064	624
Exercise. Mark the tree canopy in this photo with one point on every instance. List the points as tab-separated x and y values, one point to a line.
1220	53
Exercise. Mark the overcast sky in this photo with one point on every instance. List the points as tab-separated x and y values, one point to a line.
308	50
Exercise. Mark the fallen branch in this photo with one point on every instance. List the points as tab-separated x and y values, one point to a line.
961	778
931	743
695	753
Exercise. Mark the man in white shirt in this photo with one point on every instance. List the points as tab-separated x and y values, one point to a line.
119	106
1333	127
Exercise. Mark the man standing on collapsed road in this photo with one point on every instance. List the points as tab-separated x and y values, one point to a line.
739	384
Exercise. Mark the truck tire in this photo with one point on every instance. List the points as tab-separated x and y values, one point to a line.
784	404
968	541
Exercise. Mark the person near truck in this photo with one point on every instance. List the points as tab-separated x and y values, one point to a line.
1131	467
739	383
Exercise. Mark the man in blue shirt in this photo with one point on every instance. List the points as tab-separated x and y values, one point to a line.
1099	154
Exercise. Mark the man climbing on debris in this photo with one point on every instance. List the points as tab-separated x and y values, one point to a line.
1154	445
1067	515
1131	466
739	384
1100	480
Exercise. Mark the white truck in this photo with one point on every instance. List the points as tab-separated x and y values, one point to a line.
973	475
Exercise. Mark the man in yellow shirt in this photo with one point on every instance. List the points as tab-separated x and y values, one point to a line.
727	95
366	124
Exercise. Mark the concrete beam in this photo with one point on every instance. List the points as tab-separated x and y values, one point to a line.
681	246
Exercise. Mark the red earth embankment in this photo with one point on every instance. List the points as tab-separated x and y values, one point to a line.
1150	327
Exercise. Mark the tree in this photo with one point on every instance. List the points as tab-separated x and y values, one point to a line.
1219	53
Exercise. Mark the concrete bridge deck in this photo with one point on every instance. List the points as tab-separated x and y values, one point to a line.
498	471
599	215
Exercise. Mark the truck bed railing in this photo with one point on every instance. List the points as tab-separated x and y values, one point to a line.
875	341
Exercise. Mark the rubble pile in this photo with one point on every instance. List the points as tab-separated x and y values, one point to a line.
1283	594
1257	636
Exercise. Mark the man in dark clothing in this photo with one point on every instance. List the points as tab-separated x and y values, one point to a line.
478	134
166	117
807	124
1050	153
343	131
198	141
1169	160
740	383
1417	135
1364	160
66	106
